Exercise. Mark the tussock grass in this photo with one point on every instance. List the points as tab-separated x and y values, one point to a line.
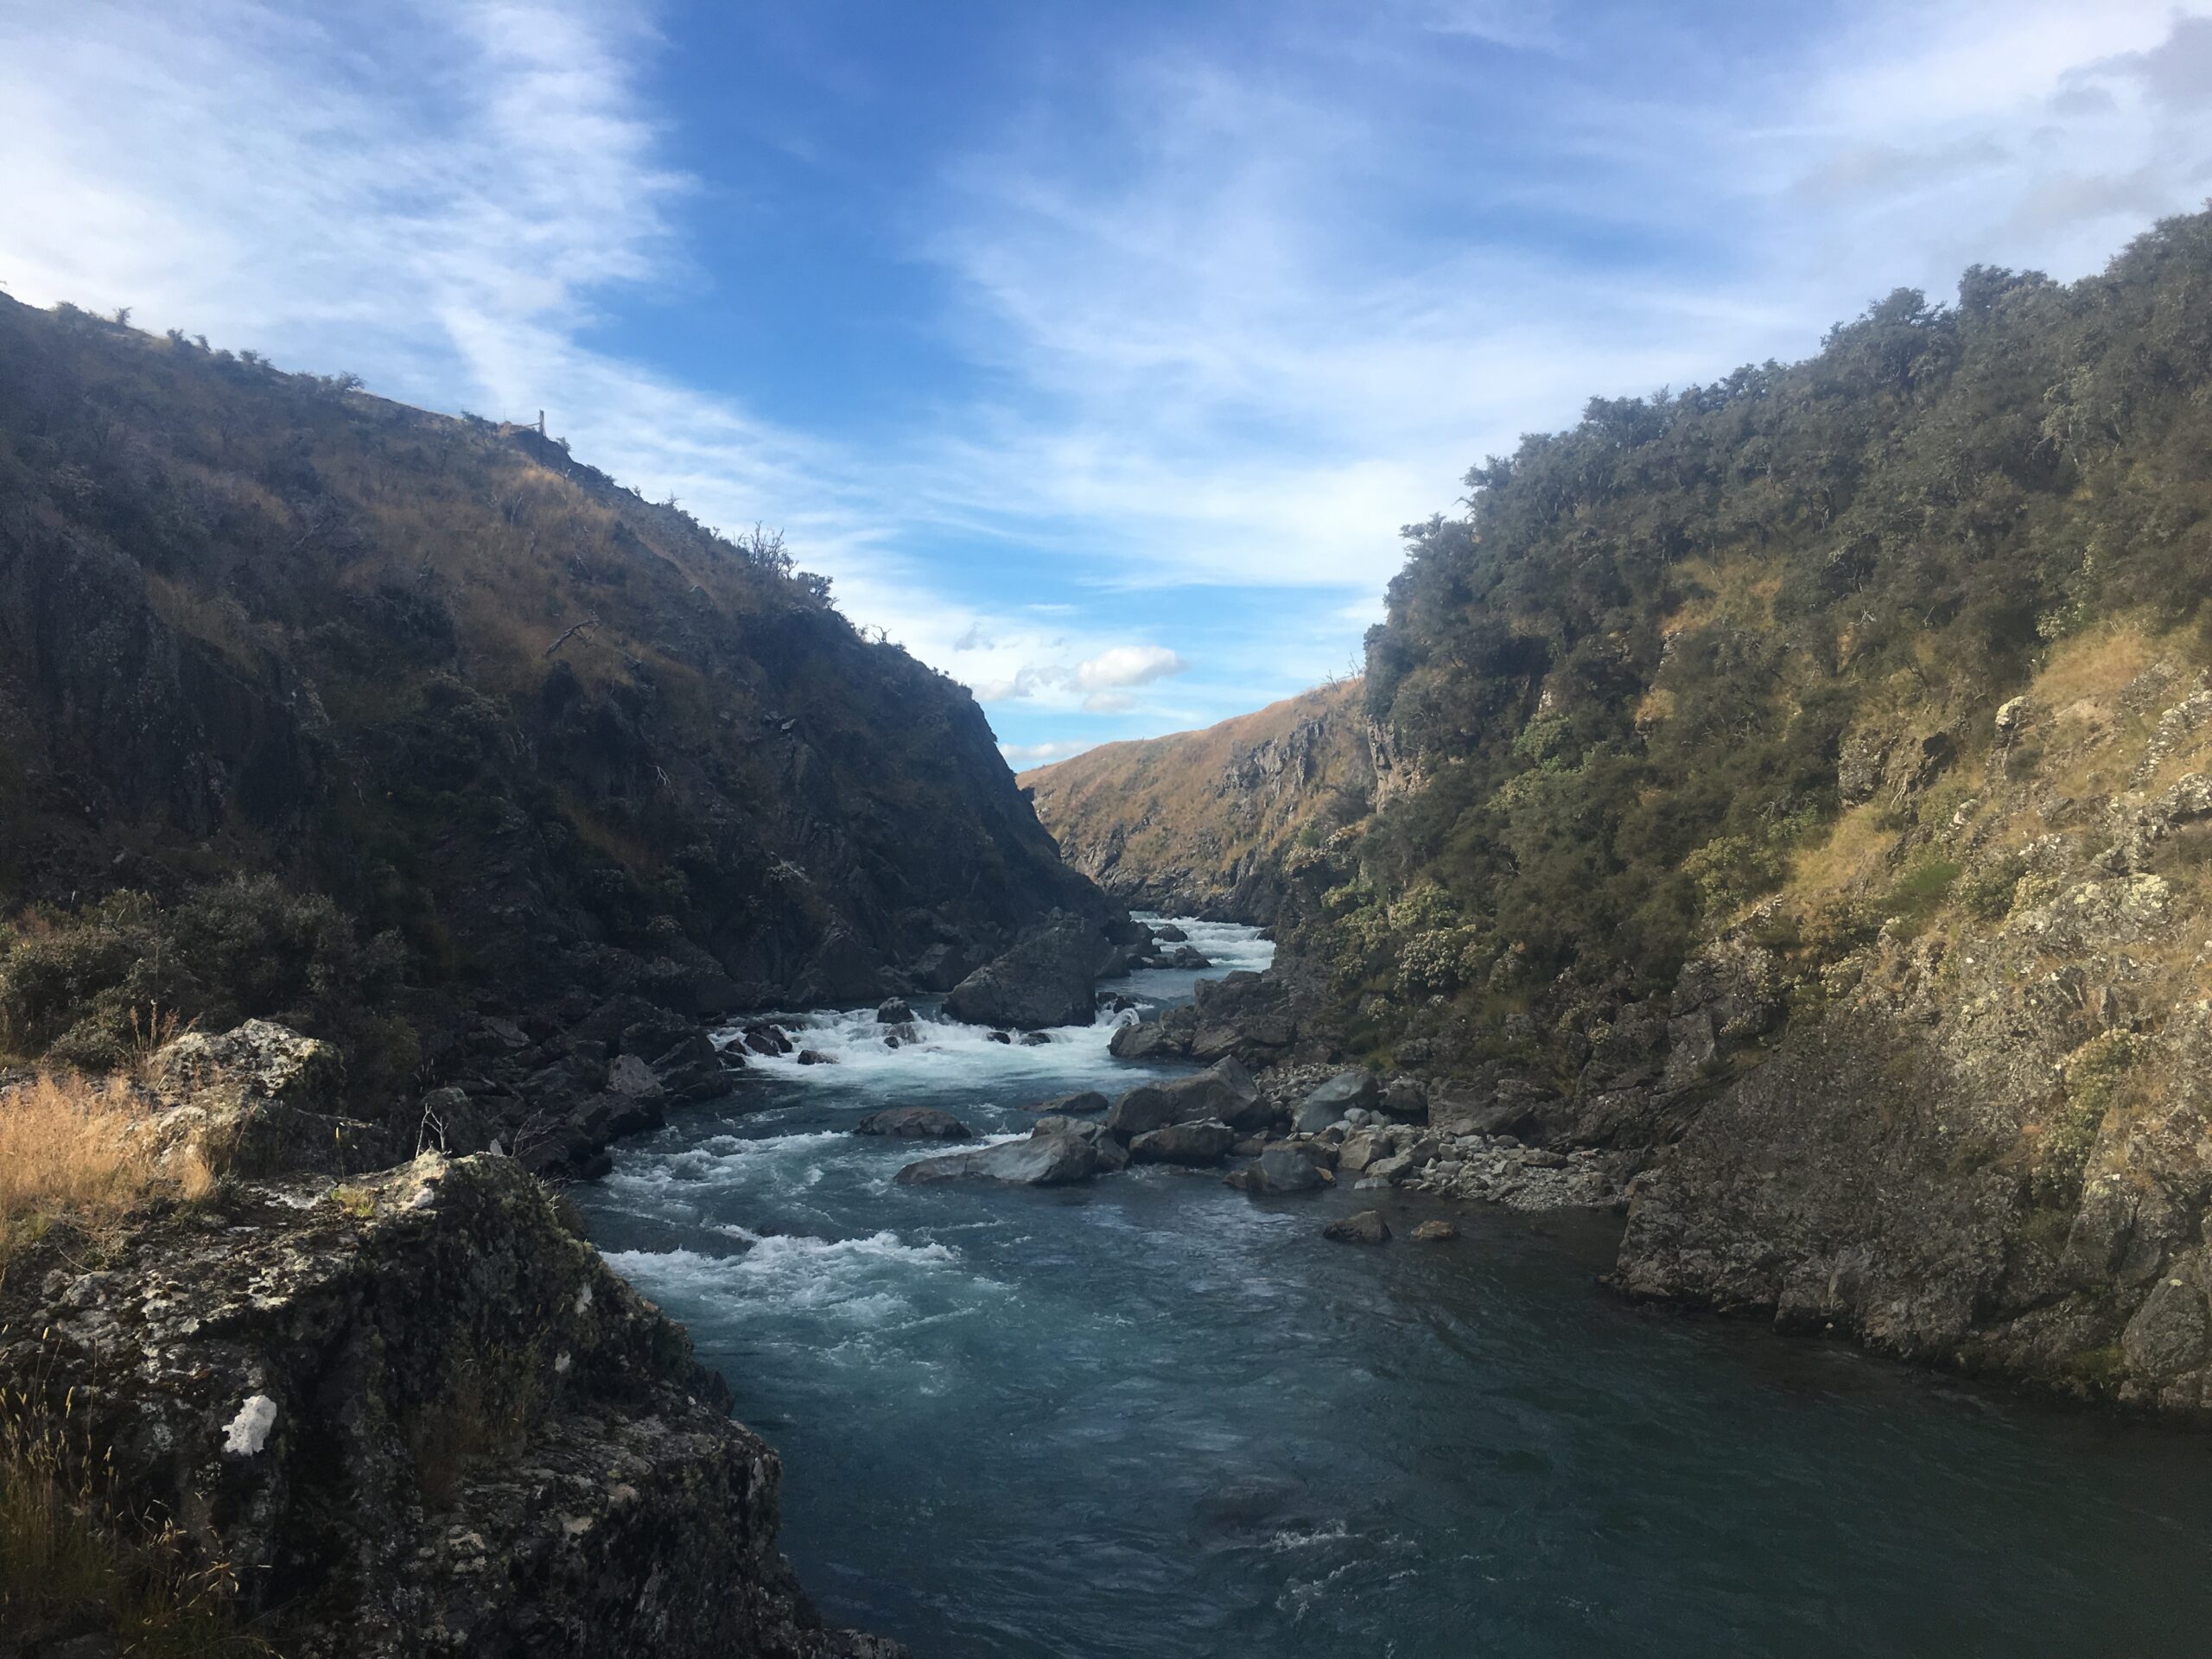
74	1147
70	1564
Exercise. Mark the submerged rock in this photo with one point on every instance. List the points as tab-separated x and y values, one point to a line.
914	1124
1364	1227
1048	1159
1436	1232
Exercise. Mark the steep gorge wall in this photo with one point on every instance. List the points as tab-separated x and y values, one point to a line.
552	738
1198	823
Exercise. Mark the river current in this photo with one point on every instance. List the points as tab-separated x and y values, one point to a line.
1152	1416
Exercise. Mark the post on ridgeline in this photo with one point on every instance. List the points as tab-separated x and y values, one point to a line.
541	423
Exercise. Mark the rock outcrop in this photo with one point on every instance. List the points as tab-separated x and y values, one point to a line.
417	1415
1048	979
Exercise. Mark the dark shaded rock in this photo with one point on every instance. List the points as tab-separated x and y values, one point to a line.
1339	1095
329	1354
1284	1169
915	1123
1150	1039
763	1038
1046	980
1225	1091
1000	1037
1168	933
1245	1014
1113	1156
1035	1040
262	1100
1196	1145
1050	1159
1071	1105
1365	1227
815	1057
893	1011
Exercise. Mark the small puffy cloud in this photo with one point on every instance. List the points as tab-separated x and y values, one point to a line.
1109	703
1127	665
1027	681
1024	755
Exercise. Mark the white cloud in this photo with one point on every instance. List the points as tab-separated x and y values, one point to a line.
1109	703
1022	756
1127	665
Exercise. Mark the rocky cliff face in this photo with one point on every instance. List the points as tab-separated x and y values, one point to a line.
1198	824
549	737
1988	1138
405	1412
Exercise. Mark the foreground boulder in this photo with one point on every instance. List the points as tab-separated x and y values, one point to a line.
914	1124
418	1416
1281	1169
1048	1159
1046	980
259	1099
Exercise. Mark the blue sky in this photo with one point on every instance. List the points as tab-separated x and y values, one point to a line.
1098	352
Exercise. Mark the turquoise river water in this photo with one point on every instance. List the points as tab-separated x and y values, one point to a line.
1153	1417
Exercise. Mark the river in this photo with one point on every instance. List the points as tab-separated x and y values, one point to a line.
1152	1416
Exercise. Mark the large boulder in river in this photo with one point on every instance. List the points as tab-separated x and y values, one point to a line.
914	1124
1244	1014
1046	980
1194	1145
1164	1038
1225	1091
1052	1159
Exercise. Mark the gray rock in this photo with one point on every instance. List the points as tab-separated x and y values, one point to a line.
628	1074
1345	1092
1071	1105
1435	1232
1285	1169
1046	980
893	1011
1196	1145
1365	1227
815	1057
914	1124
1047	1159
1225	1091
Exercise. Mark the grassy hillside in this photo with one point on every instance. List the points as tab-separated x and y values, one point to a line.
486	728
1745	639
1198	822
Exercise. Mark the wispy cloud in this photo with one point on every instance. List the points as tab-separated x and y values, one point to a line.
1232	310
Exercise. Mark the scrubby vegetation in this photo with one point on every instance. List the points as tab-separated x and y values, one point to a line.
1678	659
477	721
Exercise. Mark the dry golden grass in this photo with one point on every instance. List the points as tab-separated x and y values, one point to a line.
72	1147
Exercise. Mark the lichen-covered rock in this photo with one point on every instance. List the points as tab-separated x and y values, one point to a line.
258	1100
418	1417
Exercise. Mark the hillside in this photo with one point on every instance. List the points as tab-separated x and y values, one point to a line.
1797	795
320	707
1198	822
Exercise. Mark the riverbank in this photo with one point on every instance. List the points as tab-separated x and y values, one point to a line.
1152	1415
